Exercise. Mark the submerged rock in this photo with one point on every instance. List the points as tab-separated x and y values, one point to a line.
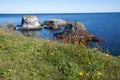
30	22
54	23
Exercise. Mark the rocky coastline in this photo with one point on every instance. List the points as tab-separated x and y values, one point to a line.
73	32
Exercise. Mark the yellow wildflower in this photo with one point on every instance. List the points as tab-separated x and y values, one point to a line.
32	50
81	73
99	73
89	62
107	55
52	54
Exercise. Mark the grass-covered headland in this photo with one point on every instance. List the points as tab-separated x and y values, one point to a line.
23	58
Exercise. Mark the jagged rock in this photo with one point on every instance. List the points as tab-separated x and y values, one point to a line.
77	31
30	22
55	23
10	26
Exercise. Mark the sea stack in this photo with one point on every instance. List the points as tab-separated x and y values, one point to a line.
30	22
55	23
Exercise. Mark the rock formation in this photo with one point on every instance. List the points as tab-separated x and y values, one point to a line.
78	26
10	26
30	22
54	23
75	32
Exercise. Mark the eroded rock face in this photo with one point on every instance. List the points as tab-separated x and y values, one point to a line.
30	22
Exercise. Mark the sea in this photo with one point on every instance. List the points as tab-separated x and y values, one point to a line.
102	25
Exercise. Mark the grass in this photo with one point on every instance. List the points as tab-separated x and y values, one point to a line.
24	58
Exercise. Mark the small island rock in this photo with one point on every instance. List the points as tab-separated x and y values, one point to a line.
54	23
30	22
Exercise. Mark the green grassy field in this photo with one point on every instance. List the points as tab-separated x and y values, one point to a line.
23	58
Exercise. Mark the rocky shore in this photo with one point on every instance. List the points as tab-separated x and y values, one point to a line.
73	32
8	28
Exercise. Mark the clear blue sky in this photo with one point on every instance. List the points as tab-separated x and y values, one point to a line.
58	6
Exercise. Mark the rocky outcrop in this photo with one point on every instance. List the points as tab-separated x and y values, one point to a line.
78	26
59	22
54	23
8	29
75	32
30	22
10	26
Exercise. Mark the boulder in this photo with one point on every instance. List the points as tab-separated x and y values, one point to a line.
10	26
30	22
59	22
55	23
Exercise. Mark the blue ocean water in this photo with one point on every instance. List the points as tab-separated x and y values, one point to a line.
102	25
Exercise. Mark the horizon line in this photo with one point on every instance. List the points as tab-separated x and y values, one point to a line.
58	13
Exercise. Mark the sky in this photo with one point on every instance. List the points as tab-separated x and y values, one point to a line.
59	6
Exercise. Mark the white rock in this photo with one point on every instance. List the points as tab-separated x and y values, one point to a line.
30	22
58	22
